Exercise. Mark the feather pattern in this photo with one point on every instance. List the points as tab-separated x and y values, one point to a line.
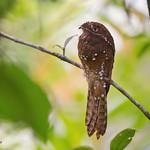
96	52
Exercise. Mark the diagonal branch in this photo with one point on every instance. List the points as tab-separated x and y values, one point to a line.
125	93
148	5
66	59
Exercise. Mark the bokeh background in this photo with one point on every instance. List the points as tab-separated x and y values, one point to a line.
43	99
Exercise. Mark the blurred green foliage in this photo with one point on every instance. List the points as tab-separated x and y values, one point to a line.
24	73
142	45
21	100
6	6
83	148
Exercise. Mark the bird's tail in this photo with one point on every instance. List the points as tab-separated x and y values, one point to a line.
96	114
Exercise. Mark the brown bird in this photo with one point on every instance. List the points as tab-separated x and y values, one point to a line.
96	51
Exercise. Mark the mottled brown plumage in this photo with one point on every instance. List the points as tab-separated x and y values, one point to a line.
96	51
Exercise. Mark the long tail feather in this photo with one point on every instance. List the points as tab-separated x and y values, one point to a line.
96	115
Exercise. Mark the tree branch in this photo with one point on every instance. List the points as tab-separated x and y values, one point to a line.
148	6
42	49
119	88
66	59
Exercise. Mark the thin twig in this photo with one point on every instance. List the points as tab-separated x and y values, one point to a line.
42	49
66	59
119	88
65	44
148	6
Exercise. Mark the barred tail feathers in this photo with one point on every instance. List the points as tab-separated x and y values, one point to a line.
96	114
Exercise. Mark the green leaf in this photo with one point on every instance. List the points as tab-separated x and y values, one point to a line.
122	139
21	100
83	148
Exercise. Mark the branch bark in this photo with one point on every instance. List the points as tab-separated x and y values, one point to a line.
66	59
148	5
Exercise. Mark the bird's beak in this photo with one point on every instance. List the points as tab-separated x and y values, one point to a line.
80	27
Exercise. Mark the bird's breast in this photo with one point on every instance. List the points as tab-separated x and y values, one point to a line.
91	47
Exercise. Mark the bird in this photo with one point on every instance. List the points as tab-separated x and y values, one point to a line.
96	52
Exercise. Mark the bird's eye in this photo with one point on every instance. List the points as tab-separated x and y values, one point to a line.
95	29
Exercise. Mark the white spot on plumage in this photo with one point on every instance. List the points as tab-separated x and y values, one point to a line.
100	73
83	37
102	67
93	58
94	87
95	54
104	85
102	95
101	78
109	43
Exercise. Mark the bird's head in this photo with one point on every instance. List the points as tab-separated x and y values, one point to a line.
93	27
